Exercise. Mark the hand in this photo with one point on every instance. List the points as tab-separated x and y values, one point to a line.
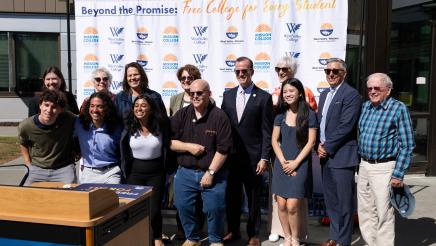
289	167
322	153
196	149
206	180
261	167
396	182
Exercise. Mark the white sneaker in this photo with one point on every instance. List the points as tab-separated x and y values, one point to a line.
273	237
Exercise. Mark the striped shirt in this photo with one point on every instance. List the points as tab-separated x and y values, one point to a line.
385	131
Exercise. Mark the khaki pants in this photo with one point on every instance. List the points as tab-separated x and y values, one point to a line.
376	215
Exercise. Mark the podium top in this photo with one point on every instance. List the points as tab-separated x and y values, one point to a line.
61	206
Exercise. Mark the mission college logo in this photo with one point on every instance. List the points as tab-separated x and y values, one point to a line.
263	33
231	36
230	62
88	88
90	36
169	89
170	36
326	30
117	35
90	62
262	84
170	63
200	34
293	32
262	62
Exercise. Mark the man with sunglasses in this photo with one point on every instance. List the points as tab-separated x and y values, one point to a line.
386	144
249	109
339	109
202	138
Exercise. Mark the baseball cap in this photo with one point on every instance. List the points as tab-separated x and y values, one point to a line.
402	200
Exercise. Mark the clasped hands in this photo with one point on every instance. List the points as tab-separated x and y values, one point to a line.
289	167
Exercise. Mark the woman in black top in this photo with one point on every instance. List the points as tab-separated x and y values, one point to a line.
54	80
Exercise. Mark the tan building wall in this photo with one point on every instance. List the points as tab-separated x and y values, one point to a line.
34	6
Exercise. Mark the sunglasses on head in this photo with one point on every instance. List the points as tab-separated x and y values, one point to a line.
284	69
196	93
98	80
334	71
243	71
376	88
188	78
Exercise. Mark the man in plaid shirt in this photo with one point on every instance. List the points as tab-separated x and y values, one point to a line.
385	145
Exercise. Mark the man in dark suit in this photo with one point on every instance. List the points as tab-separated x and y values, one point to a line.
339	109
249	109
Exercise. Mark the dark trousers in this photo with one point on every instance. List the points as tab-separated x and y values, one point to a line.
243	175
339	189
150	173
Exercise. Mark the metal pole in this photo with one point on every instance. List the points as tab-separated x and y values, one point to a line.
70	82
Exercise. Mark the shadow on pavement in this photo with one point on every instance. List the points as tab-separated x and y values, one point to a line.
416	232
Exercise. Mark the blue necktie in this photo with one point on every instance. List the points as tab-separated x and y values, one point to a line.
325	109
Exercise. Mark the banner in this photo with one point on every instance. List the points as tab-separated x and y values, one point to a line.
165	35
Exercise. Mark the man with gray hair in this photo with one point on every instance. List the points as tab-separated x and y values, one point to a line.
339	108
385	146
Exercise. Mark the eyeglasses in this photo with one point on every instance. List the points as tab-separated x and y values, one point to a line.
376	88
284	69
196	93
243	71
334	71
188	78
98	80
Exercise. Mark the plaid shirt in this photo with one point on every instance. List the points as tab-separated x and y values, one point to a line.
386	131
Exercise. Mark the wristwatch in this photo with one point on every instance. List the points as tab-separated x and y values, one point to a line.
211	172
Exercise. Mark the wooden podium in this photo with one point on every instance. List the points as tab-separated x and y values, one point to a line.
67	217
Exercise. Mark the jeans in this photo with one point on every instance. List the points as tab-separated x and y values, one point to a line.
187	190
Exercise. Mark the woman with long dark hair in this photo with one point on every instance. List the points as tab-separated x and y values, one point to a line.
135	83
293	138
99	131
54	80
144	151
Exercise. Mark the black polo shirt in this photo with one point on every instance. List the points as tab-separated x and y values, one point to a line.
213	131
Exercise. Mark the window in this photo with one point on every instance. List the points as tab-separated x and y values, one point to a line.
4	62
32	53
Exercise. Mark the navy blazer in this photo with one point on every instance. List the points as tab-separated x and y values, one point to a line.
252	135
341	127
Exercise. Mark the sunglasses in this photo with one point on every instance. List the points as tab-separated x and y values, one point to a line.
196	93
376	88
334	71
243	71
186	78
98	80
284	69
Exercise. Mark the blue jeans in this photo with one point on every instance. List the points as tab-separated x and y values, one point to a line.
187	190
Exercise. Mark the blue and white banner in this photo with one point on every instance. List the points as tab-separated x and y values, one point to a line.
165	35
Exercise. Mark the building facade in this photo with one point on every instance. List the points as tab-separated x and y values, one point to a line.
397	37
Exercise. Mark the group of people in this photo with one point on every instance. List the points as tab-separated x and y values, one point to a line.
218	154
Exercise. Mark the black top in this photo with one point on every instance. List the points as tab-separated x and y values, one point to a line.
71	104
213	131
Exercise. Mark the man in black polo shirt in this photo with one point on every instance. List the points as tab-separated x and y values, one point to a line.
201	136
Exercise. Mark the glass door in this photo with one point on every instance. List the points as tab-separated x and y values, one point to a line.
410	65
